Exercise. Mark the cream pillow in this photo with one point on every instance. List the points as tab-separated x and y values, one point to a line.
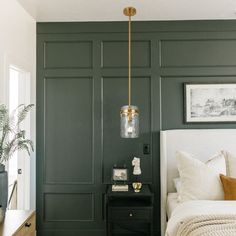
230	163
198	180
217	162
177	184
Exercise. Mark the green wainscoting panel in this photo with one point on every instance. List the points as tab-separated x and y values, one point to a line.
68	54
69	122
81	85
196	53
111	50
76	207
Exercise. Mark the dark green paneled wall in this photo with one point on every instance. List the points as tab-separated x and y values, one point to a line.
81	85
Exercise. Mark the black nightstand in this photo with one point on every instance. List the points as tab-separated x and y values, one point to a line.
129	207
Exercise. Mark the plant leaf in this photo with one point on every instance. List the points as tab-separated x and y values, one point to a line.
12	138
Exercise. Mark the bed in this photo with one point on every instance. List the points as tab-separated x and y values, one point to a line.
203	143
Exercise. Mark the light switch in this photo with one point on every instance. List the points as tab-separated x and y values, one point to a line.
146	149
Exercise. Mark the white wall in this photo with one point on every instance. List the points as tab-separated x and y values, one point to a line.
18	47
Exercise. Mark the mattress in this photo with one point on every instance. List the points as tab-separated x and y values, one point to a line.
191	209
172	202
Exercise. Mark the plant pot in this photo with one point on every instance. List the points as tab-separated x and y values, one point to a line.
3	188
2	168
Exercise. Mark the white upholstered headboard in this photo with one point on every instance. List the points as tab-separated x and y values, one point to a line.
202	143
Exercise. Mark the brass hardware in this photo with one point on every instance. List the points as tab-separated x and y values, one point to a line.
27	224
129	111
137	186
129	11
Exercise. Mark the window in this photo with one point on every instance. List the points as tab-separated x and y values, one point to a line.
19	165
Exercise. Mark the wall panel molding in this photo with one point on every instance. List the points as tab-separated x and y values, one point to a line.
77	207
62	84
67	54
207	53
114	54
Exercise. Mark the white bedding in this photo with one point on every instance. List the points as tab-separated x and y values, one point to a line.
172	202
191	209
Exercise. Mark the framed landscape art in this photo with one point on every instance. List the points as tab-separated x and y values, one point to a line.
210	102
120	174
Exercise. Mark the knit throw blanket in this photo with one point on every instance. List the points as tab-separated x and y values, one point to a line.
209	225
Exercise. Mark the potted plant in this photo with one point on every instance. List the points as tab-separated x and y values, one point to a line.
12	138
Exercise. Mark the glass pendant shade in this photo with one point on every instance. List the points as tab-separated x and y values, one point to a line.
129	122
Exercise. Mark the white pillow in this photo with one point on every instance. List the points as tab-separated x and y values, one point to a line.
230	163
198	180
177	184
217	162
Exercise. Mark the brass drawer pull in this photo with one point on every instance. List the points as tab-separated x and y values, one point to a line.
27	224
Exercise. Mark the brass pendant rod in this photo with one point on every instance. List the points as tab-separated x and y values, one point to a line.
129	54
129	11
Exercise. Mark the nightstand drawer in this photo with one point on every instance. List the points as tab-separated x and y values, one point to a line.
130	214
18	223
28	229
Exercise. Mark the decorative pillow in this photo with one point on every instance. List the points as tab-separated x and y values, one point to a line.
177	184
229	186
217	162
198	180
230	163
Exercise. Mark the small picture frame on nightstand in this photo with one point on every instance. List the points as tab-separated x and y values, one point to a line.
119	174
119	179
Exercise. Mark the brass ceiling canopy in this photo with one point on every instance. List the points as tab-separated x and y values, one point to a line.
129	11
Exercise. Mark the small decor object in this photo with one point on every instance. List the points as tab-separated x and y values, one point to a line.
120	178
136	165
210	102
137	186
120	188
12	138
129	114
120	174
137	171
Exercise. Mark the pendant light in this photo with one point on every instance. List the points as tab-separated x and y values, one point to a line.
129	114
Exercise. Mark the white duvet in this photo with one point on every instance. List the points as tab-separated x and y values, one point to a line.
200	211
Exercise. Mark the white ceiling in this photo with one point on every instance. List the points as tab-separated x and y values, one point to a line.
112	10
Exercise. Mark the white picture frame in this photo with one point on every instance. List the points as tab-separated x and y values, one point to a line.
210	102
120	174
